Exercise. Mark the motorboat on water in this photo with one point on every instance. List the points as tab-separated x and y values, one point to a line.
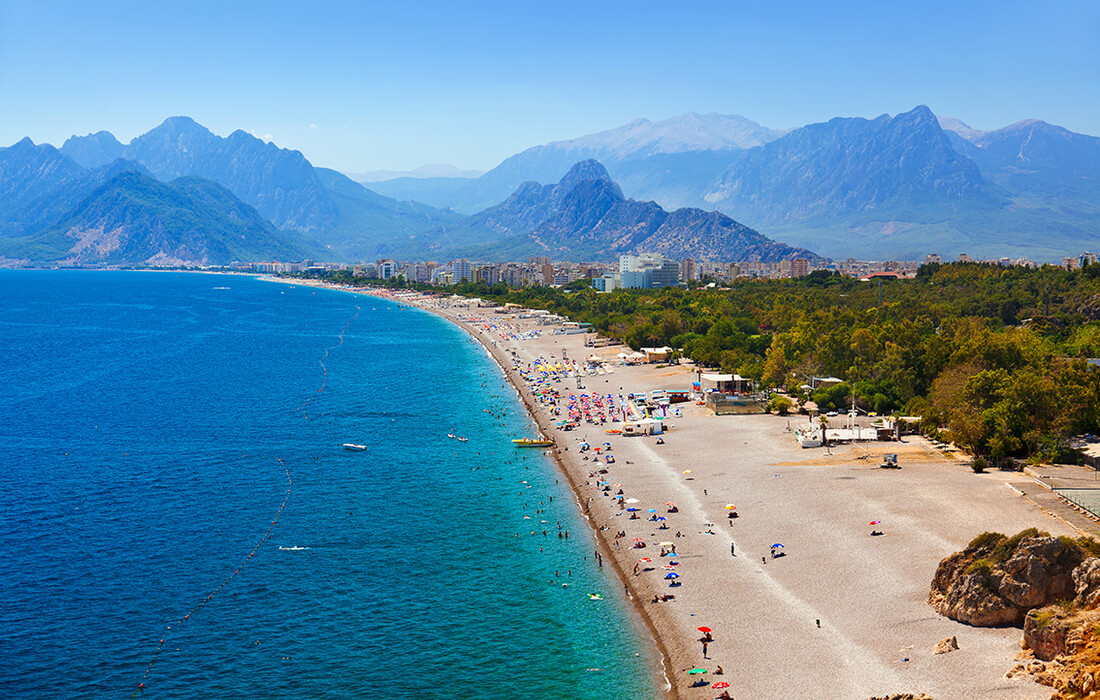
353	446
533	442
462	439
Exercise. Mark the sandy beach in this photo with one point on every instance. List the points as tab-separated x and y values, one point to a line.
840	614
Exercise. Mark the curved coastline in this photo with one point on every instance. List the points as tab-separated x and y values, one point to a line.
669	691
843	614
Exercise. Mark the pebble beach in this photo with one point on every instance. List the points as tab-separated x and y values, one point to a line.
839	613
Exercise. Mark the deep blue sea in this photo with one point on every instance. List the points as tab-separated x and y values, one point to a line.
149	423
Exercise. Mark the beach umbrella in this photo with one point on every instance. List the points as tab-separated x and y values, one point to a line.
660	517
777	546
672	574
672	554
632	510
874	522
637	539
645	560
652	510
632	500
704	630
696	671
719	685
607	444
670	503
688	471
730	506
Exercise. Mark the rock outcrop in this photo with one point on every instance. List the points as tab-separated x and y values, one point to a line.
1086	583
997	579
1068	649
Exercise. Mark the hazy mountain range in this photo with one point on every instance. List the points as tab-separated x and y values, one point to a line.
424	171
586	215
890	187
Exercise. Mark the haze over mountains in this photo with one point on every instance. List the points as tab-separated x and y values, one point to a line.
890	187
585	215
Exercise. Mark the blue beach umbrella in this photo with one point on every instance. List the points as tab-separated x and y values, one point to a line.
672	574
672	554
777	546
652	510
631	510
660	517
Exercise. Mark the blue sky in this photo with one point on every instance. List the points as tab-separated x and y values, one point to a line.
359	86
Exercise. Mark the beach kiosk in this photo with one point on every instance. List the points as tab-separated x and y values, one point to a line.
646	426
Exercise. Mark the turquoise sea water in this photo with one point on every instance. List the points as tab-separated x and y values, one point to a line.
149	423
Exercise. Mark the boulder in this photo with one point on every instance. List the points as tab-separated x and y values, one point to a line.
1045	633
947	645
970	598
1055	631
984	586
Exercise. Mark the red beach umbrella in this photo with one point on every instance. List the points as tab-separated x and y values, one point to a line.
637	539
719	685
704	630
645	560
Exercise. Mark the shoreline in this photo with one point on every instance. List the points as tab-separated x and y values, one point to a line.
669	691
503	362
874	633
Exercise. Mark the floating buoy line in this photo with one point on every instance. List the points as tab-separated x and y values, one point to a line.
267	533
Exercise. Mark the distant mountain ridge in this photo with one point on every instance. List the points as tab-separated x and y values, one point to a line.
698	143
890	187
424	171
847	165
94	150
346	219
586	216
134	219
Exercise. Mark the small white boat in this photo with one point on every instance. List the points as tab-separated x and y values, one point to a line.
462	439
353	446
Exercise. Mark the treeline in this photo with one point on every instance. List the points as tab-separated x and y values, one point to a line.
995	355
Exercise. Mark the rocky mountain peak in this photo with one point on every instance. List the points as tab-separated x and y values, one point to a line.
93	150
590	169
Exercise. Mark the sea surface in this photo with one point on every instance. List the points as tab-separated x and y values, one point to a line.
173	470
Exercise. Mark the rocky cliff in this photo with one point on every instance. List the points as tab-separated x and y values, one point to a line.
1050	584
997	579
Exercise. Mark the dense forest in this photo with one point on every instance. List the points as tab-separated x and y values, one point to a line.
995	357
